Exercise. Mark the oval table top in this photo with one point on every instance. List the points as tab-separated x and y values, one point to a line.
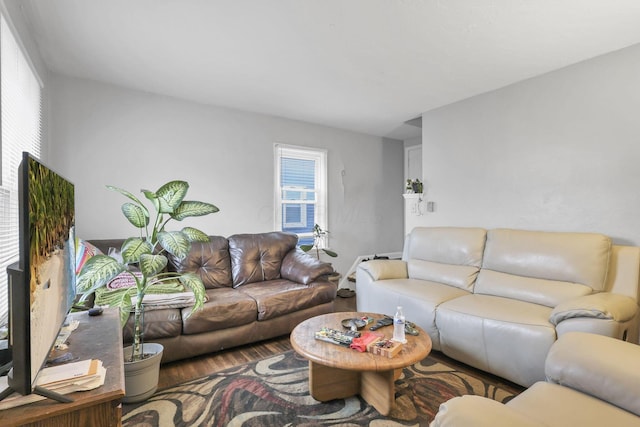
337	356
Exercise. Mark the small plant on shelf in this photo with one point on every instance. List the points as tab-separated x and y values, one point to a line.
414	186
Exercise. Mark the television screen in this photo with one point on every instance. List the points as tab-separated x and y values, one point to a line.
42	285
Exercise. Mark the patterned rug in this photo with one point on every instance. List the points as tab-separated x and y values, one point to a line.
275	392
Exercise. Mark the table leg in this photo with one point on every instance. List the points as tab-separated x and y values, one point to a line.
378	389
326	383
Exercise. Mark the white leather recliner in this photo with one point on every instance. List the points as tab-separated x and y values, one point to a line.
592	380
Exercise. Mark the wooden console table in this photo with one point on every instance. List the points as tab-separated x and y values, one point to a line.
98	337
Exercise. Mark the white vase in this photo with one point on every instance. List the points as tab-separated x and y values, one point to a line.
141	376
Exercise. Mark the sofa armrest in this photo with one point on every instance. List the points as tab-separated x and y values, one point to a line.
603	305
300	267
603	367
382	269
478	411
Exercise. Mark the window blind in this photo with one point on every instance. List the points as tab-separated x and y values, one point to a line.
300	190
21	108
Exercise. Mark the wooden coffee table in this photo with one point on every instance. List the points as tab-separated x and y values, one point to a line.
336	372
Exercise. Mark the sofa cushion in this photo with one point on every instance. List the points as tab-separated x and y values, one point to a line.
278	297
258	257
460	276
299	266
449	255
421	298
581	258
479	411
601	366
209	260
530	289
447	245
225	308
384	269
162	323
555	405
507	337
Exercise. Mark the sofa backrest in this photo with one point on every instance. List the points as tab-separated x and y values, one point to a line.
543	267
623	276
209	260
449	255
258	257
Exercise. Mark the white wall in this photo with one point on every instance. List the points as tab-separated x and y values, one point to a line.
556	152
104	134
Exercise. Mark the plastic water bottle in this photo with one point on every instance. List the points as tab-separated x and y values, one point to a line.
398	326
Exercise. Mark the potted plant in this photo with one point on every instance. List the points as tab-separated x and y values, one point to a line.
144	259
417	186
318	238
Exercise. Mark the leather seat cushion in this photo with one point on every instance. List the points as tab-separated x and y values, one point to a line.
225	308
419	297
275	298
497	335
162	323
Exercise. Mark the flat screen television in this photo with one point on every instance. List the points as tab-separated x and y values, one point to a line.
42	283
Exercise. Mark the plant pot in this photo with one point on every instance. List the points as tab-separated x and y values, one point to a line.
141	376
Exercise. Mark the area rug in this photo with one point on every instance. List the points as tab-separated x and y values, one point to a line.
275	392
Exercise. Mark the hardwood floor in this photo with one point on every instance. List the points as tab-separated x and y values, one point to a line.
183	370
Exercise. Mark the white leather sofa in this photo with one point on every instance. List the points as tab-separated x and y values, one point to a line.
592	380
498	299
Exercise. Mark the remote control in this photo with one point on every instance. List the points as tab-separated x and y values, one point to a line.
385	321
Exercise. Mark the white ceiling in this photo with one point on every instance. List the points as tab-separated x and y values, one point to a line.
362	65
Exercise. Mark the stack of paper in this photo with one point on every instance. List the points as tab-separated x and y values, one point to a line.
81	374
63	379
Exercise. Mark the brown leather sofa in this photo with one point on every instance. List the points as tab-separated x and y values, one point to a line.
258	286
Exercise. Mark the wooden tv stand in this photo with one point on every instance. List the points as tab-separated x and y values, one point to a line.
98	337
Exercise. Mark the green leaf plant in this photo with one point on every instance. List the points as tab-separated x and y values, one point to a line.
318	237
145	257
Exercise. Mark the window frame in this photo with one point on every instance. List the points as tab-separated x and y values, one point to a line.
319	156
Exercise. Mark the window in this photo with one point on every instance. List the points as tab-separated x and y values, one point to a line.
301	190
20	105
